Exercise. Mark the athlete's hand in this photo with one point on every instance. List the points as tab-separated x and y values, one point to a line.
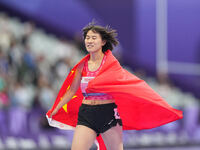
53	113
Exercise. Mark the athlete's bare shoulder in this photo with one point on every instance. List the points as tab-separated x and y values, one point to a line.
80	66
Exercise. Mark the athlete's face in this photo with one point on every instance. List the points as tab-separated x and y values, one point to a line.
93	41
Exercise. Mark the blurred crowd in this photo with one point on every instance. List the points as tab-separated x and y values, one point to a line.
33	64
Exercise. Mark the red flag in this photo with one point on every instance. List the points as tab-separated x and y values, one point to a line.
139	106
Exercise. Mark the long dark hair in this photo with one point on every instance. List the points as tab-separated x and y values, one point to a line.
107	33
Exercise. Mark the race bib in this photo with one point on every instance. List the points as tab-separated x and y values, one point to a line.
116	114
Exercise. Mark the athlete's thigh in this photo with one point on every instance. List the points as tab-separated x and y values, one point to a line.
84	138
113	138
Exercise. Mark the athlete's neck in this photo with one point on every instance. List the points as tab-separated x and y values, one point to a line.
96	56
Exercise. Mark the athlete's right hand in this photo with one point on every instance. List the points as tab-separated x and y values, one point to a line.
53	113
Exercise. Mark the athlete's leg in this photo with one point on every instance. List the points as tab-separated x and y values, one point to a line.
113	138
84	138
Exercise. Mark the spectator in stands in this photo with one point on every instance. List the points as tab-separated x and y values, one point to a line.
3	63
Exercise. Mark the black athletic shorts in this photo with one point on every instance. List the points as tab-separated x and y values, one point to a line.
100	118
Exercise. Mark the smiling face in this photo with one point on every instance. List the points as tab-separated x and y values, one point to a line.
93	41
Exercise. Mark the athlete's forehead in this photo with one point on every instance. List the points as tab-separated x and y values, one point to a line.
92	33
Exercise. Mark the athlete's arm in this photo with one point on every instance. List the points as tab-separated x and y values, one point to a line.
72	90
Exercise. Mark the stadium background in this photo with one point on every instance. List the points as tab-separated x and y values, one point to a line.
40	40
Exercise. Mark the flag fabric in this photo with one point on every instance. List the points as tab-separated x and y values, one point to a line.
139	106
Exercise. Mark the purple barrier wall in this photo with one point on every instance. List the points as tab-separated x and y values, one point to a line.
69	17
183	38
145	46
184	31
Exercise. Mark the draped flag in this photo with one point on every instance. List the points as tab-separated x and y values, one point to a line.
139	106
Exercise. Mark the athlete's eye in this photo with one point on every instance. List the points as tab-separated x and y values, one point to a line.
94	37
